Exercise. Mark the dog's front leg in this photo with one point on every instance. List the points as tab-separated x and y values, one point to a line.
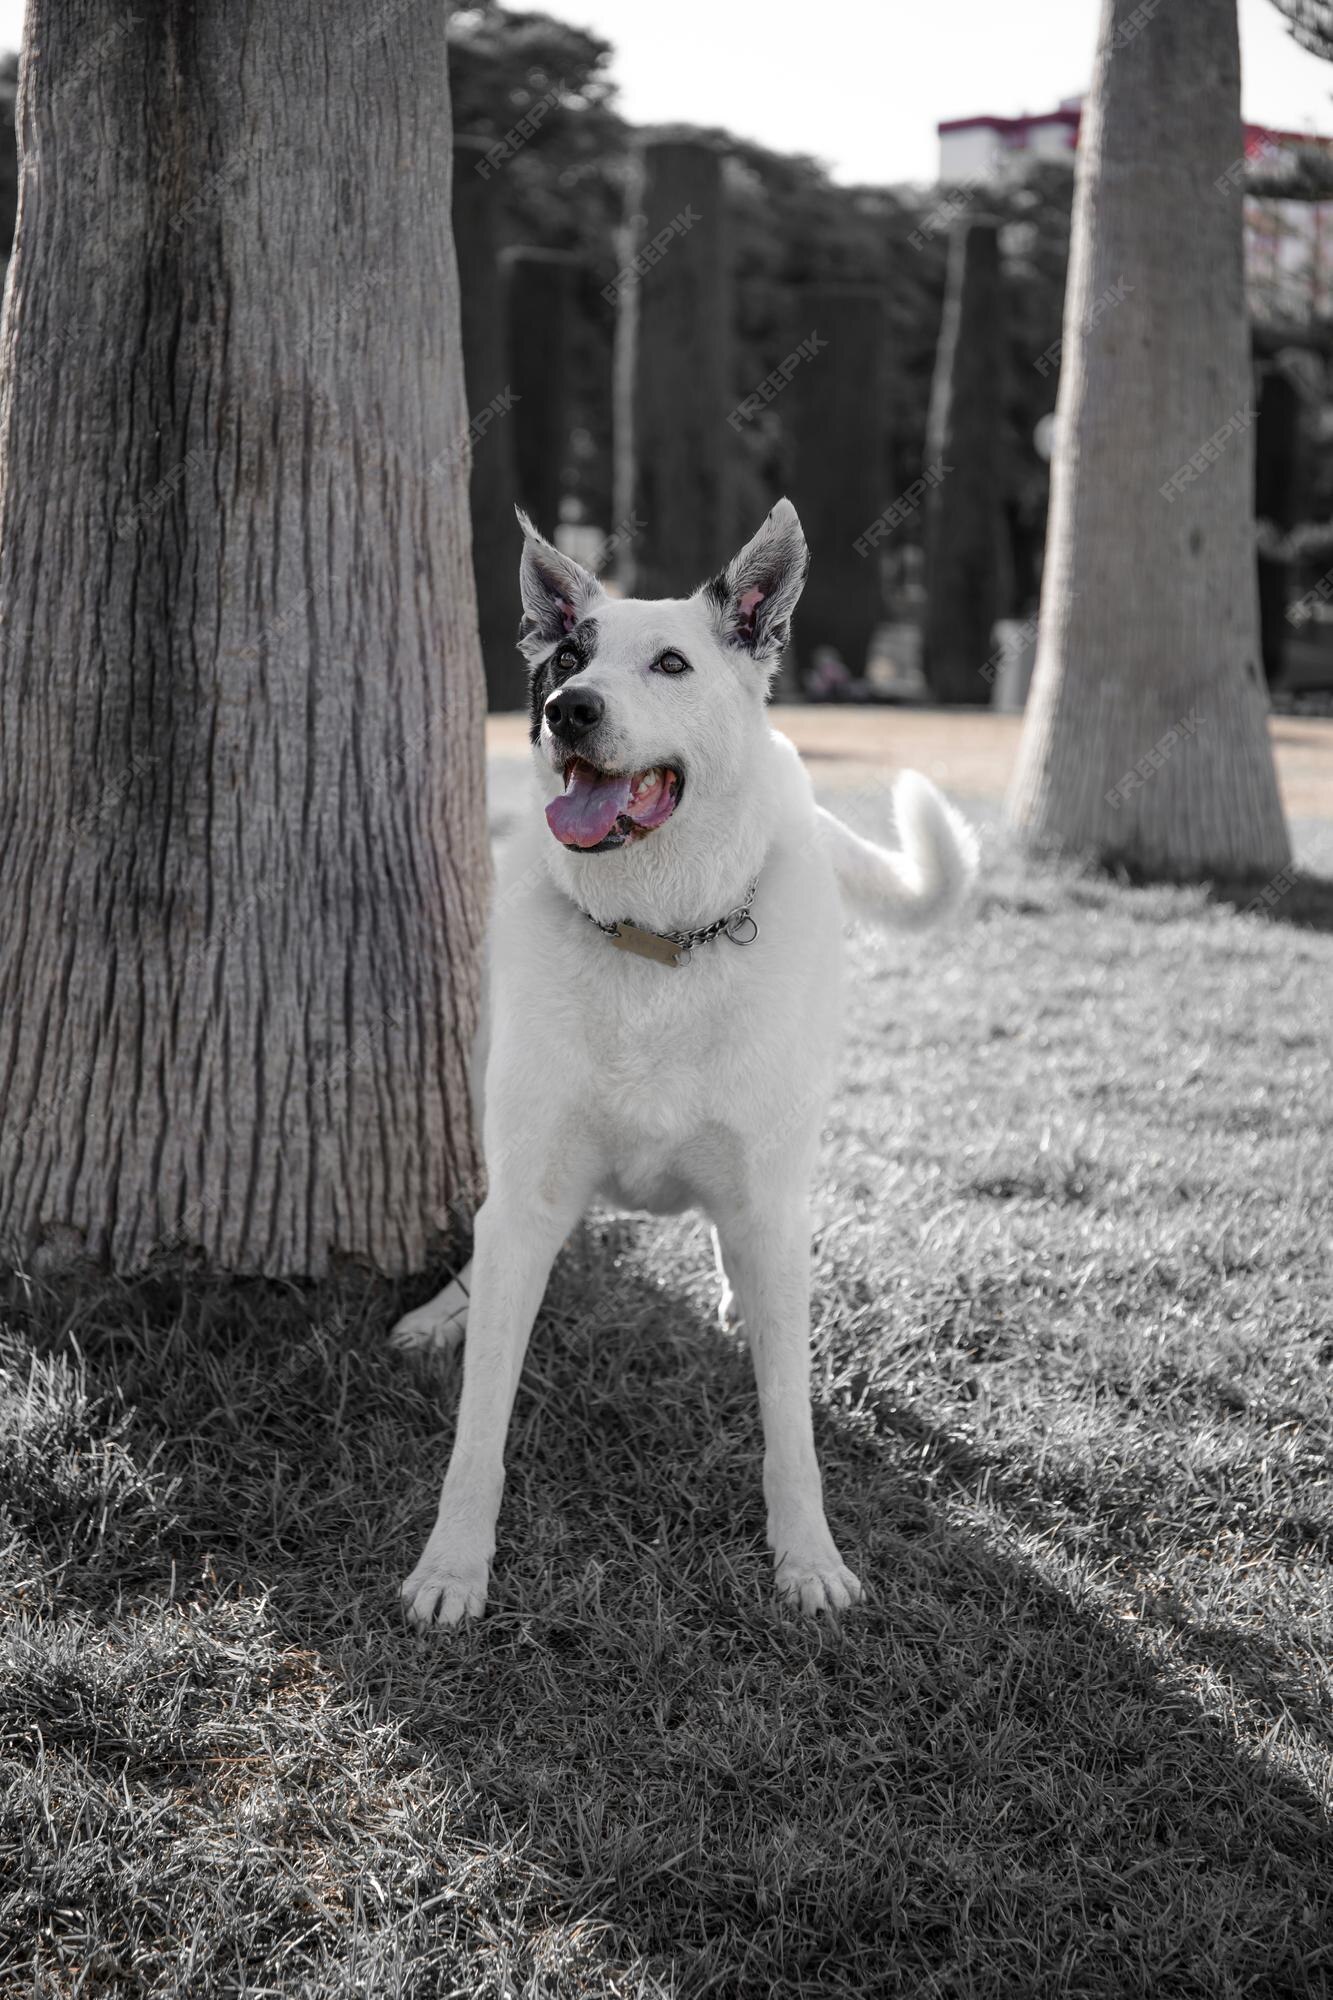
514	1246
766	1255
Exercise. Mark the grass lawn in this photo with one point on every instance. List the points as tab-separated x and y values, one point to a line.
1074	1378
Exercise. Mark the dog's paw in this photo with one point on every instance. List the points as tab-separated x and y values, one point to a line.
442	1593
437	1327
820	1584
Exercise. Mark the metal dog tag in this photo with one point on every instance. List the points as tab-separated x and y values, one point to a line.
647	944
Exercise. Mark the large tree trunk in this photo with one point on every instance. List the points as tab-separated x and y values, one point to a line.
240	698
1145	744
673	373
964	496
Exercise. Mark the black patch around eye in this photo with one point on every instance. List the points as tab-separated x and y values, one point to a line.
546	676
541	682
584	636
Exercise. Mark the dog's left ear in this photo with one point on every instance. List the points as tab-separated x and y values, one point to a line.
556	591
755	595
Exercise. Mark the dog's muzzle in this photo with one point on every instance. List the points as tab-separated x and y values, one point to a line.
600	809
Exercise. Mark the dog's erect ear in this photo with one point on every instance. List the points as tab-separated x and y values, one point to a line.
755	595
556	591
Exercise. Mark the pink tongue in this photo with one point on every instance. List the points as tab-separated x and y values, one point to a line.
588	808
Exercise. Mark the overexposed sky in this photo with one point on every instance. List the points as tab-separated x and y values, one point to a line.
862	83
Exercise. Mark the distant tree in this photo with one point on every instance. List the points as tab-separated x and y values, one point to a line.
240	695
1146	743
673	374
1278	504
540	87
1311	23
964	502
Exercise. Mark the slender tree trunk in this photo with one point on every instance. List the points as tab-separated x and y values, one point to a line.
673	372
964	499
539	298
1145	744
478	198
836	417
241	769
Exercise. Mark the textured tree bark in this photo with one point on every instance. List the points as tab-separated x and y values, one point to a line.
492	408
1145	744
539	287
241	772
836	418
673	373
964	502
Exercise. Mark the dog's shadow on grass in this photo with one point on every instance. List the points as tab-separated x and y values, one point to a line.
978	1780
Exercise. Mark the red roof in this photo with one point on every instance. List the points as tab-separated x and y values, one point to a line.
1019	124
1256	136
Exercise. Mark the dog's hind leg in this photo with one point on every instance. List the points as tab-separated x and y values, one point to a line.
514	1246
440	1323
767	1253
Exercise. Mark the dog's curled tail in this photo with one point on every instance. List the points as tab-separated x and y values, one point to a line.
920	882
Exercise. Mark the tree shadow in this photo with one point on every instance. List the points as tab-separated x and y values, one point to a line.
1297	898
979	1783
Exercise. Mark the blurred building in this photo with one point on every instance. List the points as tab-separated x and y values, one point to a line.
1288	244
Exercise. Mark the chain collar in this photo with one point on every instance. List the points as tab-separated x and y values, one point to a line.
675	947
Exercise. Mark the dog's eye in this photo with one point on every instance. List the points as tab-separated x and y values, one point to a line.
567	660
672	663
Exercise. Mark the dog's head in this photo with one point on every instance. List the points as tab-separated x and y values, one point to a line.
644	713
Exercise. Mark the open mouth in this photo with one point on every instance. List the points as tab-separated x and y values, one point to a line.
601	809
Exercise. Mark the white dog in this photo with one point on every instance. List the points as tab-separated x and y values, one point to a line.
661	1025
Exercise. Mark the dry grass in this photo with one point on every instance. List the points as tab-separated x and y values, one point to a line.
1074	1333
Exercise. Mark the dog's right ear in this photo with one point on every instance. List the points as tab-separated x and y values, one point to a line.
753	599
556	591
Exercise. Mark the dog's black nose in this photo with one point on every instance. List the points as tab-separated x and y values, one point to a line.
573	712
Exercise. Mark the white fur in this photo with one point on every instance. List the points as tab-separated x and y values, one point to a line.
661	1087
